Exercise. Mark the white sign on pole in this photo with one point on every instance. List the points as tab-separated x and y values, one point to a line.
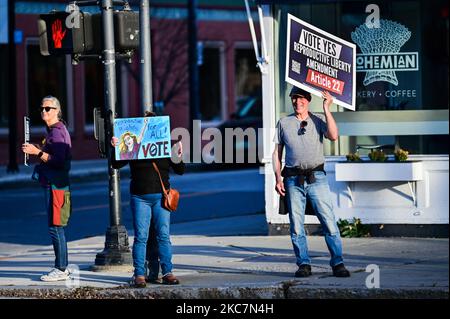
3	21
26	125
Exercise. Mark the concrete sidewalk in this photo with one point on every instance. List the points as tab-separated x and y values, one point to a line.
211	265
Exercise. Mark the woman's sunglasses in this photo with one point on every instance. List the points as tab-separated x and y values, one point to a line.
302	129
47	108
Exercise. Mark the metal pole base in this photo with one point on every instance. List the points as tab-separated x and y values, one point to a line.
116	252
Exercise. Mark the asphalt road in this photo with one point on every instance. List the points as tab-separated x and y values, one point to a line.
204	196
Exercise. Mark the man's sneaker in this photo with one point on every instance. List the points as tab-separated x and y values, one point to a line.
340	271
303	271
56	275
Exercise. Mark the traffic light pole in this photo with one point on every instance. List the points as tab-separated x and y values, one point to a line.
145	56
194	86
193	62
117	251
12	117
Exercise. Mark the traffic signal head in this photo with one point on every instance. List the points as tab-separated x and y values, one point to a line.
61	32
126	30
80	32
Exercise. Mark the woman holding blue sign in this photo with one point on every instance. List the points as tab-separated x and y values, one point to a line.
147	210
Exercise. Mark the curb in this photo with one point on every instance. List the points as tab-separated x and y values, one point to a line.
282	291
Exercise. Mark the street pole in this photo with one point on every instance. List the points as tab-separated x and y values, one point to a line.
12	116
117	251
145	56
194	107
193	60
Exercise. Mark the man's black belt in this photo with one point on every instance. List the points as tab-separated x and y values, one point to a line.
302	173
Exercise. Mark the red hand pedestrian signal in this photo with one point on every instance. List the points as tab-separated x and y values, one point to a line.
80	33
57	33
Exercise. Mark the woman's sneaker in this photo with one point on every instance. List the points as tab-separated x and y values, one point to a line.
56	275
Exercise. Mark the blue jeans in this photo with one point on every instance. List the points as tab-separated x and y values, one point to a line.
146	209
152	254
319	195
57	234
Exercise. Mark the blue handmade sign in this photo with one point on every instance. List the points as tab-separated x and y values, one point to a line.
142	138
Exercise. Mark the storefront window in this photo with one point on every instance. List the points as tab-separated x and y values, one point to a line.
402	66
247	75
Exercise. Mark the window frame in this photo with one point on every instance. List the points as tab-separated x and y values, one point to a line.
223	77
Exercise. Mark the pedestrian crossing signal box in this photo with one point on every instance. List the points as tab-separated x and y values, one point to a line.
80	32
61	33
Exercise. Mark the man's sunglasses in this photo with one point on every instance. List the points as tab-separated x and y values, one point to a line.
47	108
302	129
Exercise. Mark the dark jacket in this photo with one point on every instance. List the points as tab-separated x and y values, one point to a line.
144	178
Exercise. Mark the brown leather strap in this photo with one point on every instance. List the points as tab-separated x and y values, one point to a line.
160	179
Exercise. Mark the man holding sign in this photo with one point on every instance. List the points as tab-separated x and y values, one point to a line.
322	64
301	134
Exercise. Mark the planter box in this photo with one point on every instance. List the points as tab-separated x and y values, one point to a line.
379	171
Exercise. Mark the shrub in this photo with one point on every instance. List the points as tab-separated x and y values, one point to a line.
401	155
353	157
353	229
377	156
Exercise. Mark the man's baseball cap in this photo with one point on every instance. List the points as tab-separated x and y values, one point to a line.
298	91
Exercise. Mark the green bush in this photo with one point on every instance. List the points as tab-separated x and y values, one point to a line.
353	229
377	156
353	157
401	155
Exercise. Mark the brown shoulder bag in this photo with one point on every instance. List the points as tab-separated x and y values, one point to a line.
171	197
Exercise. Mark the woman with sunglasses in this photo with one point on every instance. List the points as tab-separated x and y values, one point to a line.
52	172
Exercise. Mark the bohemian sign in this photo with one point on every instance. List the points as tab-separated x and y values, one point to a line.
142	138
317	60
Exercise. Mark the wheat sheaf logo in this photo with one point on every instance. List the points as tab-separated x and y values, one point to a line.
381	56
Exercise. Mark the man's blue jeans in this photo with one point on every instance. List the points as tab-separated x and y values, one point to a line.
319	195
147	209
57	234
